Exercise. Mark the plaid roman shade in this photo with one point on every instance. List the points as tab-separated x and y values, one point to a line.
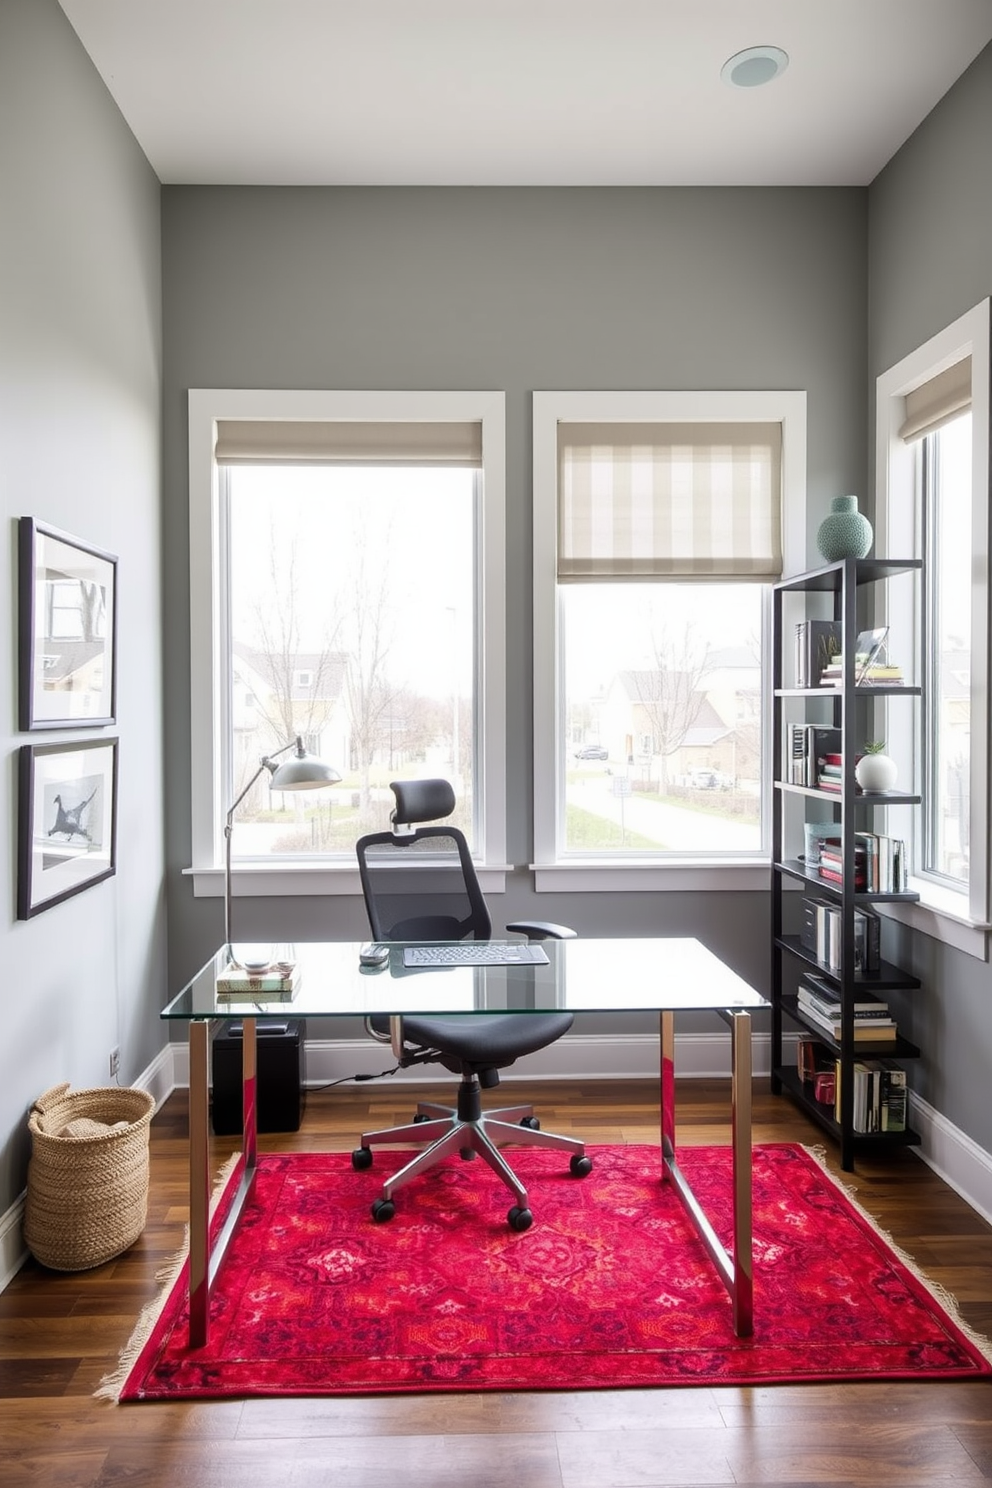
666	500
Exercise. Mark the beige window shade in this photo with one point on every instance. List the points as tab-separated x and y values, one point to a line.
938	401
647	501
344	442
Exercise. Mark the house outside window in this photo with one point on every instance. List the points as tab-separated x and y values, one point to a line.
660	522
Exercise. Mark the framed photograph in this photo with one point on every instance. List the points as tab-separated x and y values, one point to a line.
68	626
67	821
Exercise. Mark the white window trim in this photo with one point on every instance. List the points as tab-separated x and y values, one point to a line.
207	578
551	408
955	919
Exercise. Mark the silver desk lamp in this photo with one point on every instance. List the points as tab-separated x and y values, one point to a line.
302	772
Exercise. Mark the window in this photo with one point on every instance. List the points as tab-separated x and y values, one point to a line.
661	519
346	570
944	491
932	502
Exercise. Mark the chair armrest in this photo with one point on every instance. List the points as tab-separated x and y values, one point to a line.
542	930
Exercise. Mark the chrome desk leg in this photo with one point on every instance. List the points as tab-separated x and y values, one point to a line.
204	1259
743	1290
199	1185
249	1093
736	1272
667	1077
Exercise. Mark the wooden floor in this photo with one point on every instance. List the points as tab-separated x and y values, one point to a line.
59	1334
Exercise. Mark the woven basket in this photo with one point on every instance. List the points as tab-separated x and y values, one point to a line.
87	1194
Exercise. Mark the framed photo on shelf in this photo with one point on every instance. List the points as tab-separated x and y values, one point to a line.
870	648
67	821
67	602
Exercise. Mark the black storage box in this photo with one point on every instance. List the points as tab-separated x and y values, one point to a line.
280	1091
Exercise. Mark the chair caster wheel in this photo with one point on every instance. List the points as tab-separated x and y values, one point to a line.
466	1153
383	1210
580	1166
531	1121
519	1219
419	1116
361	1159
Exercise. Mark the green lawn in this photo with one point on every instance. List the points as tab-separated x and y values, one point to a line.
587	832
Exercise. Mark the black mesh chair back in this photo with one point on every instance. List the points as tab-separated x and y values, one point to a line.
422	886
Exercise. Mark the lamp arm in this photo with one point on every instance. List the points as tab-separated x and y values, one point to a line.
265	764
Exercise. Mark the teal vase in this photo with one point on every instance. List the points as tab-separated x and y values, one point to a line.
846	533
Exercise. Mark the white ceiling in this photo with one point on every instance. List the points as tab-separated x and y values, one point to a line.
523	92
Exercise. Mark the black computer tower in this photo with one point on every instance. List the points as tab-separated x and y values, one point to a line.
279	1088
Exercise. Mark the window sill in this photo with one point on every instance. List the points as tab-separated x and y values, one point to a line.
686	875
299	880
939	914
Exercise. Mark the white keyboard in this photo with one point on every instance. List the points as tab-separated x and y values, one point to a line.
475	953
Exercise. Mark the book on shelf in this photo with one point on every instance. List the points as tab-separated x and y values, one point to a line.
812	1058
880	1096
829	994
275	985
817	643
821	934
807	744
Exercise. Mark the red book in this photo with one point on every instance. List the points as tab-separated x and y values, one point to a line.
832	876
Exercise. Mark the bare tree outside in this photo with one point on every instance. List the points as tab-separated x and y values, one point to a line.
292	708
670	695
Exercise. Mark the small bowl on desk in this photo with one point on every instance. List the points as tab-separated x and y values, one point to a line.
252	960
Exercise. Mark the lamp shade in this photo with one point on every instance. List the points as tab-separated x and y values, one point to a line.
303	772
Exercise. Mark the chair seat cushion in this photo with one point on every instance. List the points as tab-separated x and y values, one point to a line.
488	1040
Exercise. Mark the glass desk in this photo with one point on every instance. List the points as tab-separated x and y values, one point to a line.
663	975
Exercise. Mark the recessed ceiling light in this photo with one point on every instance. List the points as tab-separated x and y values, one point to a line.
754	67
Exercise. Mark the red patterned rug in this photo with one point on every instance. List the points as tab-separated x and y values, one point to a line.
610	1287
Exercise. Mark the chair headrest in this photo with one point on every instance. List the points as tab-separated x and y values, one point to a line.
421	801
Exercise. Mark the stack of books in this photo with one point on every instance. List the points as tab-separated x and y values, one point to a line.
875	674
832	863
274	984
830	771
820	1006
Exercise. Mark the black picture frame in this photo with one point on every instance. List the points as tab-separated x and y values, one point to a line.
67	821
67	624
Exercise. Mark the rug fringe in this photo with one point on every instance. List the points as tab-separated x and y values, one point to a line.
112	1384
940	1294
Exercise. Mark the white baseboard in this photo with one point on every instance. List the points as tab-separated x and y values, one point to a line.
954	1157
963	1165
12	1251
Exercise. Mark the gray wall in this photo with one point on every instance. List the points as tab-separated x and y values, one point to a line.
517	289
80	356
930	260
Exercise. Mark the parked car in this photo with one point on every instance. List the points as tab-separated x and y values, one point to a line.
592	752
710	780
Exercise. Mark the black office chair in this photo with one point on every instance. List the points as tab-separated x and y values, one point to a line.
420	885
